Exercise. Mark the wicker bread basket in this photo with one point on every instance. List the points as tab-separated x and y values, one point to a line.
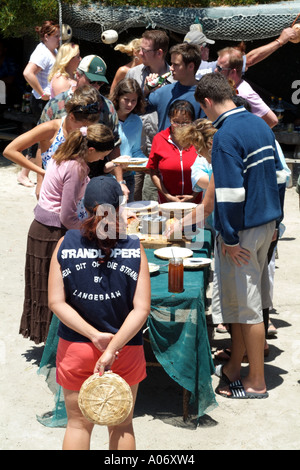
105	400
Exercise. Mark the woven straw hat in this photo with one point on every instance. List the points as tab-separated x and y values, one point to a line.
105	400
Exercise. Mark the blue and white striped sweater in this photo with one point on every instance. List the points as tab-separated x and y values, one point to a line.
249	177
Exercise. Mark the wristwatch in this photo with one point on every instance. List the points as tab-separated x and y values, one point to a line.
122	182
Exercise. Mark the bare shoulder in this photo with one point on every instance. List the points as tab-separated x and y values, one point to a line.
122	71
49	127
46	132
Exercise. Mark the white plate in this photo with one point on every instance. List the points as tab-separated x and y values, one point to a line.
175	251
125	160
177	209
122	159
196	263
178	205
137	161
139	206
153	268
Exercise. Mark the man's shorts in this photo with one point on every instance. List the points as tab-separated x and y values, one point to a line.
241	292
75	362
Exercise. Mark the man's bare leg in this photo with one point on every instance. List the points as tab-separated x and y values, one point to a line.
252	339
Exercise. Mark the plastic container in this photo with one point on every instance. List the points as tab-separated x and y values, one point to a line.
153	224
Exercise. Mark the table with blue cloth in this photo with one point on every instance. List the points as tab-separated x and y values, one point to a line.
178	331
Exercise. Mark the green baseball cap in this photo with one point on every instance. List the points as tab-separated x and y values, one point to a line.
94	68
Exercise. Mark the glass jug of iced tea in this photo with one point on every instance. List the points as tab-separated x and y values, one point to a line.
175	277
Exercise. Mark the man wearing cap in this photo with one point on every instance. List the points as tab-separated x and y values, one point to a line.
91	71
199	38
249	59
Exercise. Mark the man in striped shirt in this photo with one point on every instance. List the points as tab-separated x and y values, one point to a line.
249	190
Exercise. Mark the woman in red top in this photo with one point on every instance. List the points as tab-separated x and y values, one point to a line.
170	164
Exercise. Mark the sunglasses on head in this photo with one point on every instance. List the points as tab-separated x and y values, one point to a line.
92	108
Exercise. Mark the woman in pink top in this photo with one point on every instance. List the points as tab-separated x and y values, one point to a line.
56	212
82	109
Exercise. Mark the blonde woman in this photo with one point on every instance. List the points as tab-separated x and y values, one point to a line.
132	49
61	76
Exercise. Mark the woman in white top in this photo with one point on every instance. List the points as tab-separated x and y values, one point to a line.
36	74
42	60
61	76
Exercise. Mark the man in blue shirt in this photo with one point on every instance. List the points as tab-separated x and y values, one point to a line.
185	61
249	188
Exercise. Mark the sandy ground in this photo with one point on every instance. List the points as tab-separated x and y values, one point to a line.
272	424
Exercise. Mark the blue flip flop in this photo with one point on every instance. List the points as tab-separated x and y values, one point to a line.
237	391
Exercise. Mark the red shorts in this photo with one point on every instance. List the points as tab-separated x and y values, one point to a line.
75	363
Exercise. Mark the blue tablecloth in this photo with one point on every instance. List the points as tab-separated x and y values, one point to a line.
178	330
178	336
